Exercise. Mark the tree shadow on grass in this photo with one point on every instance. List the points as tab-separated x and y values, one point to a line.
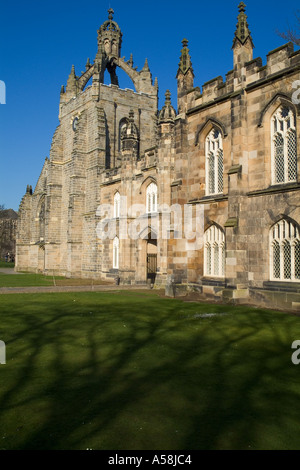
107	371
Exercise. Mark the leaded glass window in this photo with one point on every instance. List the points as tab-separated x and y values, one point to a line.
214	252
284	146
285	251
151	198
117	200
214	162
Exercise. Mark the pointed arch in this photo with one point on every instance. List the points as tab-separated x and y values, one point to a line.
283	145
148	233
151	198
208	125
214	251
214	162
284	247
280	99
146	182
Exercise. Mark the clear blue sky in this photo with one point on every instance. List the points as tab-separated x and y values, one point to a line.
41	40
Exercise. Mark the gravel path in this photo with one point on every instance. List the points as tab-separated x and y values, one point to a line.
8	271
46	289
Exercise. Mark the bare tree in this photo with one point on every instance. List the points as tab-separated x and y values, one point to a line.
292	35
2	207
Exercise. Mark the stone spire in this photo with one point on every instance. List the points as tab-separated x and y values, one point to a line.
242	44
185	63
242	32
146	75
185	77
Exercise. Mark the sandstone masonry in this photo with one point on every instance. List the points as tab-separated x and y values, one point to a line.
232	149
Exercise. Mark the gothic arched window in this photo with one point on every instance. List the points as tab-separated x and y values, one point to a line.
117	200
151	198
285	252
214	252
214	162
284	146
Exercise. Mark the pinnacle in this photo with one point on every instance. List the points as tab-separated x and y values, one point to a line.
73	71
185	63
146	66
242	32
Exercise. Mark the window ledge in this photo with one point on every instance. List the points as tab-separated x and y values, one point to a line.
213	281
149	214
282	286
275	189
209	199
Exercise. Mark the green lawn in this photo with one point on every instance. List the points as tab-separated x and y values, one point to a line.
25	280
132	371
33	280
3	264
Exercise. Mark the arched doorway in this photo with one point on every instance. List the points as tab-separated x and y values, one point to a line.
147	254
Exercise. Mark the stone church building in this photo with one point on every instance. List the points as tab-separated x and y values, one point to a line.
230	154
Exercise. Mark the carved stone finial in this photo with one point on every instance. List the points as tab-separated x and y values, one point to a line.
242	7
130	61
111	14
168	97
168	113
185	42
